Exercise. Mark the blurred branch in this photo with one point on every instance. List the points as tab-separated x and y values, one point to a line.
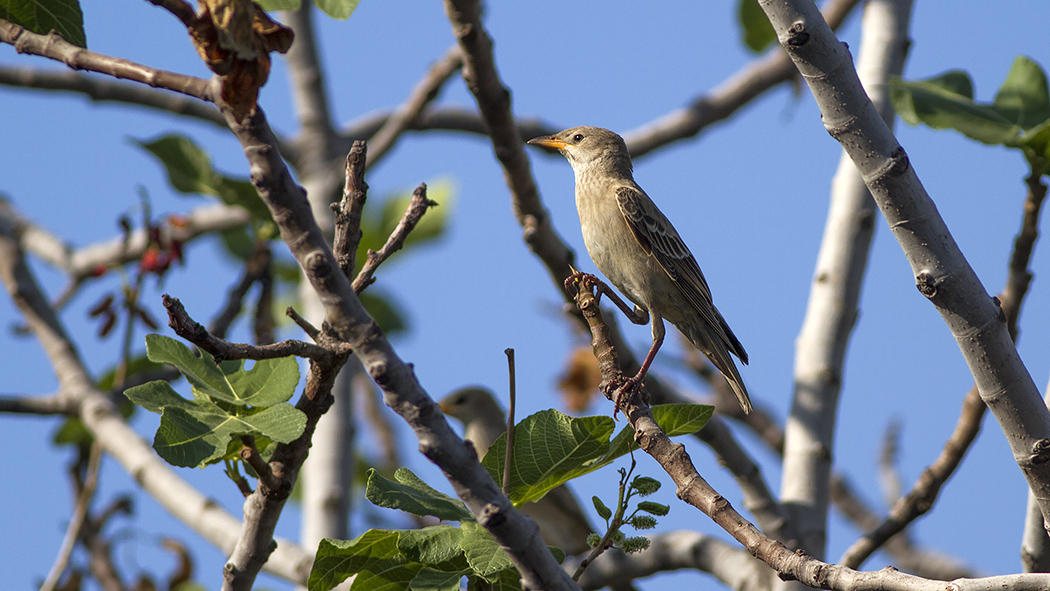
104	90
105	423
675	550
85	491
834	298
93	260
54	404
255	269
425	91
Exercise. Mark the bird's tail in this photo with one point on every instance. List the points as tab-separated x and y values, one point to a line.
717	351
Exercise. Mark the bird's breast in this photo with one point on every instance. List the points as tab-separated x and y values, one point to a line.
615	250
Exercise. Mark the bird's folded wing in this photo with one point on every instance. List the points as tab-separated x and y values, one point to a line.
659	238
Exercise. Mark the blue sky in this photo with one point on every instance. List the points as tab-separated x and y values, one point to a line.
748	196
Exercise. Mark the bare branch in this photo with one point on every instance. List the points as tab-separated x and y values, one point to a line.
55	47
194	332
348	210
105	90
54	404
85	492
924	493
425	91
416	208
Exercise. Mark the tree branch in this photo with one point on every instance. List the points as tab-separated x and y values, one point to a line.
924	493
55	47
425	91
102	419
694	490
349	321
832	309
416	208
941	272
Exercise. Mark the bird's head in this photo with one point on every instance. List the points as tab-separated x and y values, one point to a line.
472	403
587	147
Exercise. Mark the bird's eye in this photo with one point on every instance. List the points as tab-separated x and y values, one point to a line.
578	137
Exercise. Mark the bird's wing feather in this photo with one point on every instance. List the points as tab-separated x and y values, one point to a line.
659	238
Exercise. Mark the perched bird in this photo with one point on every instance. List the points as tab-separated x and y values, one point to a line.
635	246
561	520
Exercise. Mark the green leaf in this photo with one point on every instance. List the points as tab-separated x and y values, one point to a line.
757	32
549	448
409	493
372	556
435	545
338	9
938	102
1024	98
275	5
654	508
482	551
195	433
504	580
603	511
430	579
268	382
1036	142
382	309
189	171
43	16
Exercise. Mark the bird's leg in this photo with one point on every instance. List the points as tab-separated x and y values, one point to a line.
631	384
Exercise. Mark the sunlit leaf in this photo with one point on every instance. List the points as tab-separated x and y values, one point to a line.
757	32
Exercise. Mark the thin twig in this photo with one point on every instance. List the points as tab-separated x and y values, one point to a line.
302	323
416	208
194	332
508	458
250	453
80	511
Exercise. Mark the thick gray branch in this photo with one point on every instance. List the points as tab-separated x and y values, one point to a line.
834	296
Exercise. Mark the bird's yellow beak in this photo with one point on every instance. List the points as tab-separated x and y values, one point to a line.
547	141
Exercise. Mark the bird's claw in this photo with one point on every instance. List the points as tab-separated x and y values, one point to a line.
622	395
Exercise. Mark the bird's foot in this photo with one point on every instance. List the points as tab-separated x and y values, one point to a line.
625	392
580	281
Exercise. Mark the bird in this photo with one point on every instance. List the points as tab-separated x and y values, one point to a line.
635	246
558	514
